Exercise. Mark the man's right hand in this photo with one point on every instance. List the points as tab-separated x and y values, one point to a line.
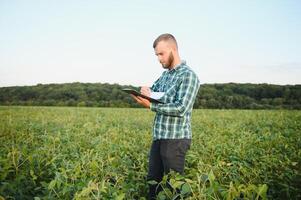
145	91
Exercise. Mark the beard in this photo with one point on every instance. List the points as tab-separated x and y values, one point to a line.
169	63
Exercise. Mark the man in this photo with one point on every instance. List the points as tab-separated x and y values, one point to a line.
172	124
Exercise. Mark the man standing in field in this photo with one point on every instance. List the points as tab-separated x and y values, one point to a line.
172	124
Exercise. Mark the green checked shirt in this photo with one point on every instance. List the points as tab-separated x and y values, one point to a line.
173	117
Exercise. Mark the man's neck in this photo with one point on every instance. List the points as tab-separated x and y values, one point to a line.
176	62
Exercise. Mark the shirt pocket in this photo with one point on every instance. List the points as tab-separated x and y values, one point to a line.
171	91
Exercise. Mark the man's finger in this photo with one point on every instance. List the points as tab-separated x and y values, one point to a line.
140	98
145	90
135	97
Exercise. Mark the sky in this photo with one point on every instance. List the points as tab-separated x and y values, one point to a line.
59	41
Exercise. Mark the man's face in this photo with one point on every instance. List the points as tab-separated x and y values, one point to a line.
165	55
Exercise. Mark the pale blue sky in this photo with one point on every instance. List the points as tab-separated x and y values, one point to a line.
243	41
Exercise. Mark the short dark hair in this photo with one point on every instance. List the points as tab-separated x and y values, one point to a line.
165	37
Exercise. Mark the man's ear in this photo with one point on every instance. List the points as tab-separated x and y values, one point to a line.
174	48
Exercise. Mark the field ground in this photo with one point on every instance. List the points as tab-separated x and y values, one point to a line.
101	153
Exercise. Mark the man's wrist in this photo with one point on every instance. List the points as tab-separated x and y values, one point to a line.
153	106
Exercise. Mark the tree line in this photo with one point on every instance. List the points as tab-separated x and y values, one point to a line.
218	96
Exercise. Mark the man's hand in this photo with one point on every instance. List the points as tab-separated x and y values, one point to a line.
145	91
144	102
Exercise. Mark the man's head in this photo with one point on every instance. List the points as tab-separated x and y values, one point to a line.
166	49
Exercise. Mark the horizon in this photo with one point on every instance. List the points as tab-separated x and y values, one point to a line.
111	42
37	84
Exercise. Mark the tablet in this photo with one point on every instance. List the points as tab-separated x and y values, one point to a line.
136	93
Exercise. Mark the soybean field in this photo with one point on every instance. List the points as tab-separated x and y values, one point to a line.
102	153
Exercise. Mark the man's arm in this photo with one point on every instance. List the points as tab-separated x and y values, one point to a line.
185	97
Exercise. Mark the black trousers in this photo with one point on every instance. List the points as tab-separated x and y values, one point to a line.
165	155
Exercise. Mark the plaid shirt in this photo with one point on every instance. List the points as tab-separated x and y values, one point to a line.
173	117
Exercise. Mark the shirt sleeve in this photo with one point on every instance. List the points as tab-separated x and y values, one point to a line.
185	97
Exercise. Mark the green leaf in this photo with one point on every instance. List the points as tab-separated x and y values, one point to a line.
161	196
204	178
152	182
120	196
185	189
52	185
211	177
262	191
175	184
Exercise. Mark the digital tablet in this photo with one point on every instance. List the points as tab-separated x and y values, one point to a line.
136	93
